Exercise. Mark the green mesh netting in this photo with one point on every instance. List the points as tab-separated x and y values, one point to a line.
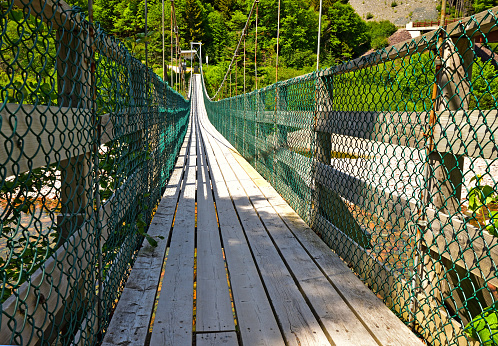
392	159
89	137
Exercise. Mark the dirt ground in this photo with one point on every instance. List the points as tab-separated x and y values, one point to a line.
403	12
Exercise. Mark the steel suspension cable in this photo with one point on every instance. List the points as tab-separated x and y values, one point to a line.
171	28
162	11
319	34
278	38
236	49
244	65
256	48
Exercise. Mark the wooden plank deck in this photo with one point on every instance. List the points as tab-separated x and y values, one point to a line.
241	266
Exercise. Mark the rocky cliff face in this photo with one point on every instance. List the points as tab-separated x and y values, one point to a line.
399	12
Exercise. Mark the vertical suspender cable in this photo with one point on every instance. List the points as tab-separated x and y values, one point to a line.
319	34
171	28
418	266
236	65
275	127
256	49
146	43
229	70
278	38
164	66
96	145
244	64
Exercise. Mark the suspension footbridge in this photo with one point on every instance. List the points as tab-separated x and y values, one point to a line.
357	204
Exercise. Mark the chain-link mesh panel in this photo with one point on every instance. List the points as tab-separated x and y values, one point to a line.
392	159
89	137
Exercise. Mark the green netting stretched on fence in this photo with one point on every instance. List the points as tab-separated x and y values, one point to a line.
89	137
392	159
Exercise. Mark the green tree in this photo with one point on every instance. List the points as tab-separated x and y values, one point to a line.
194	21
346	35
379	33
482	5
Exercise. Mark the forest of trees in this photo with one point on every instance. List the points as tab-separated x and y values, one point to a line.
218	24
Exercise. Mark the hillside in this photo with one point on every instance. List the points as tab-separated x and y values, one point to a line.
405	10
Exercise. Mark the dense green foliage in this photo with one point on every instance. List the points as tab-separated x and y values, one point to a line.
219	23
379	32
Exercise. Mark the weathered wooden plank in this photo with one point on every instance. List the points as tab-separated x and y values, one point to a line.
56	12
174	315
40	135
397	292
340	322
213	305
470	133
471	248
376	316
450	237
255	317
296	318
338	319
215	339
131	319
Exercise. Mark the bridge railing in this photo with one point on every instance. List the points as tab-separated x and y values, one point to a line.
89	137
392	159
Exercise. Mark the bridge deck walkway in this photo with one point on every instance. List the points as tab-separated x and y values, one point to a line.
236	265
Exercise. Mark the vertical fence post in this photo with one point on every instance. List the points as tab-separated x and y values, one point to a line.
72	79
323	146
76	197
456	285
446	169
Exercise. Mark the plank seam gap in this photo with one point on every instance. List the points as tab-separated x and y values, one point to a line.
197	157
216	331
279	323
204	150
168	243
315	262
296	281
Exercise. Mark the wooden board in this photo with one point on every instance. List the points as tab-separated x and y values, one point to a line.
131	319
296	319
374	314
215	339
255	318
174	315
57	12
43	135
213	305
341	323
470	133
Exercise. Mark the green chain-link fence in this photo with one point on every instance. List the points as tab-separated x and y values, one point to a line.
89	137
392	159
